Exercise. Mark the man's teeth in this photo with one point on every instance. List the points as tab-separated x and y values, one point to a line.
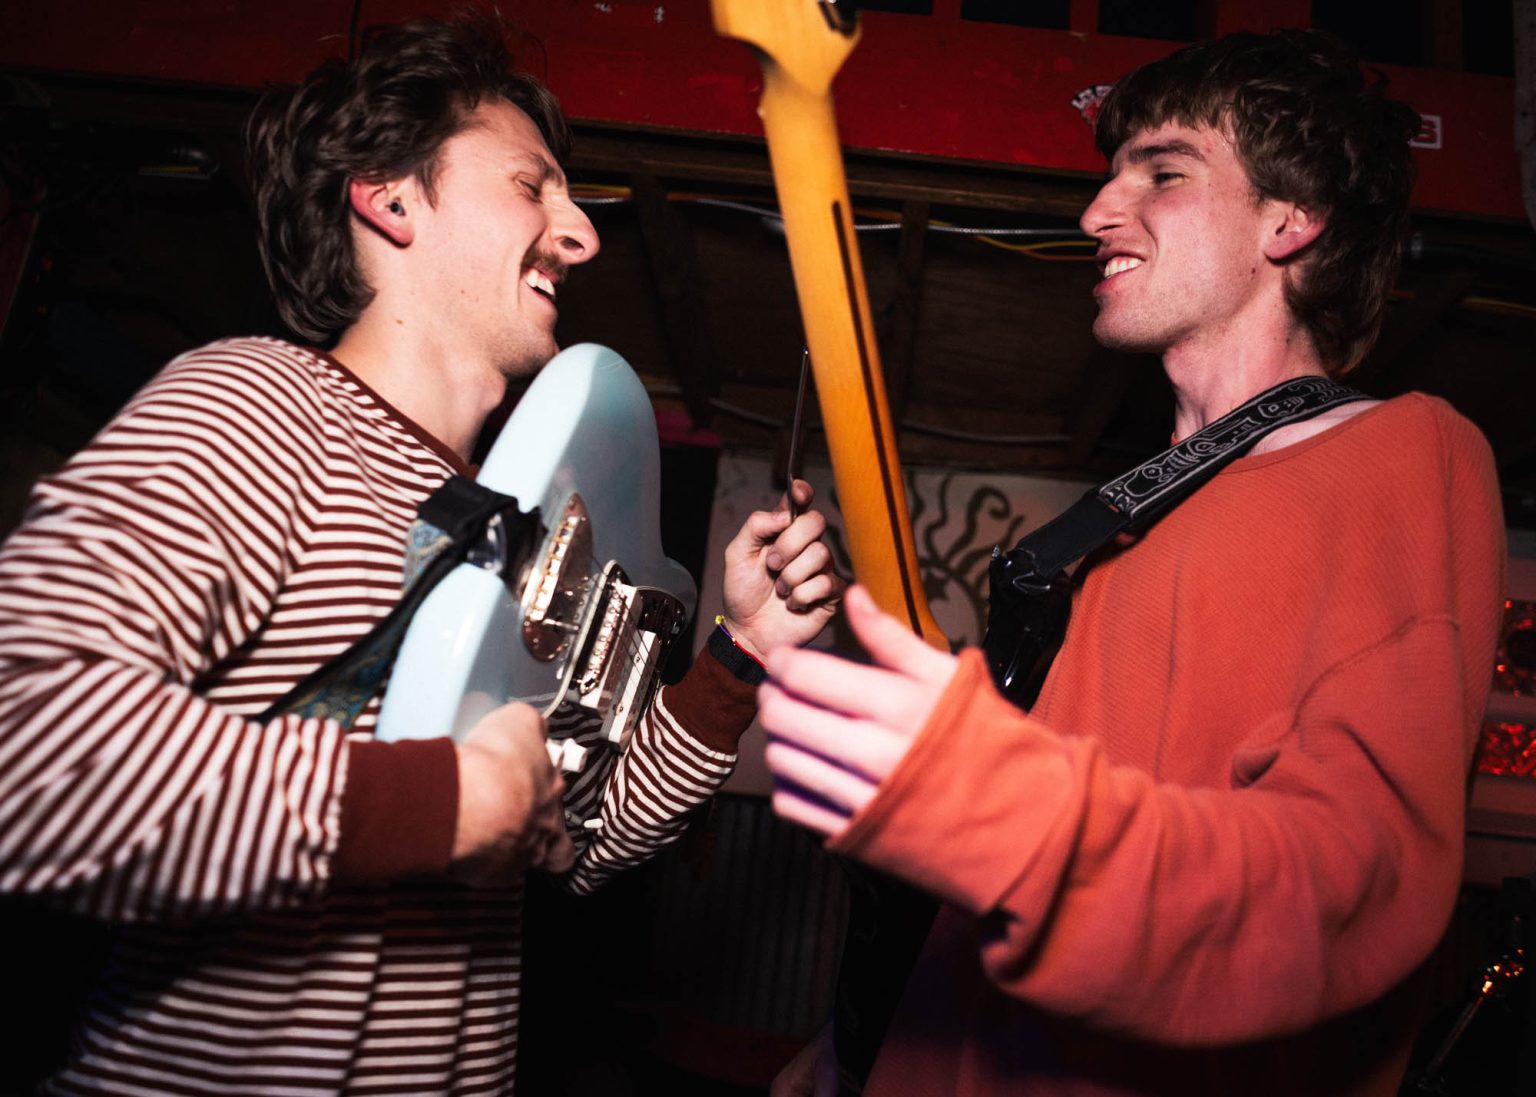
1120	263
540	282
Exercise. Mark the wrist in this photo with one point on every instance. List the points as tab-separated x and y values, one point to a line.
736	653
469	830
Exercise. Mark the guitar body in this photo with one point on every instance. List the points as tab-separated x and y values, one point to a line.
582	436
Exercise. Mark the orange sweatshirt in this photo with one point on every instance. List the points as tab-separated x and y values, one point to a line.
1232	827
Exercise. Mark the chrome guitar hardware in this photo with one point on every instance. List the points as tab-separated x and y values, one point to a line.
556	590
542	611
617	665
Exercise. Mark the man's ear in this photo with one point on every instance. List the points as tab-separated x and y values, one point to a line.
1293	233
385	208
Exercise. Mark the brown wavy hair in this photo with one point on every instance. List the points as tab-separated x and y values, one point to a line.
383	115
1309	128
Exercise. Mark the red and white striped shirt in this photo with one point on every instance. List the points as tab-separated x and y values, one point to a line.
284	922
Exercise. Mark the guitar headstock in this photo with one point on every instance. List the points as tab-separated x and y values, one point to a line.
807	39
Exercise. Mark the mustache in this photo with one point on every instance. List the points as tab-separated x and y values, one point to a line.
551	265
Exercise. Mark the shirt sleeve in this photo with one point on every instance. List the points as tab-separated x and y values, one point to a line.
680	754
1192	916
153	556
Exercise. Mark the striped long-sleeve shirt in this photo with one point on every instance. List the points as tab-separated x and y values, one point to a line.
284	922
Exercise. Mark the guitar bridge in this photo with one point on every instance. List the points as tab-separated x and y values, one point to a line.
626	636
613	635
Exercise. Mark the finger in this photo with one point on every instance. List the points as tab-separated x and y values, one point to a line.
787	804
833	785
799	490
813	559
831	683
864	747
561	853
823	591
556	789
790	542
761	528
507	730
796	1078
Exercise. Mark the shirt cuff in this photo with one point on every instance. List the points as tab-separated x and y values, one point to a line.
399	810
980	791
713	705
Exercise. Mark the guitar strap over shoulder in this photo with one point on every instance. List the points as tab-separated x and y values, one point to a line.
462	520
1030	591
1030	600
70	952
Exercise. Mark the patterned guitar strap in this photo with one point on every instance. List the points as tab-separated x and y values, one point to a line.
1030	591
460	521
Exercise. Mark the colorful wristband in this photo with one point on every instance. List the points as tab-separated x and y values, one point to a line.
735	658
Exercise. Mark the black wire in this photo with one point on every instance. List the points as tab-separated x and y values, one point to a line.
1422	250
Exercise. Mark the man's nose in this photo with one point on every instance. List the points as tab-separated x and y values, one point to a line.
575	238
1104	212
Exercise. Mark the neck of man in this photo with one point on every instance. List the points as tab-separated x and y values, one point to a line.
445	389
1215	372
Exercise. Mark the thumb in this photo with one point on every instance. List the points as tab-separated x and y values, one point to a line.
761	528
888	640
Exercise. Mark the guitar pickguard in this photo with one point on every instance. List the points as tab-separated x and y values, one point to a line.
589	619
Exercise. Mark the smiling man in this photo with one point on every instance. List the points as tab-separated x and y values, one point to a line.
298	907
1214	855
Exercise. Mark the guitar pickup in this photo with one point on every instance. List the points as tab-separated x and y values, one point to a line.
617	664
608	636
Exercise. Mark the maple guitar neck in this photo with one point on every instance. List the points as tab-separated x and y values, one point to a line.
801	49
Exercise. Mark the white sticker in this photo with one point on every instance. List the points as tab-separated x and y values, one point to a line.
1429	132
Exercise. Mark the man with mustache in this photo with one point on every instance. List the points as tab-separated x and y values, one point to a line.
299	907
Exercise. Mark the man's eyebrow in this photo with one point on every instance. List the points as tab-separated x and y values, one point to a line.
1140	154
546	169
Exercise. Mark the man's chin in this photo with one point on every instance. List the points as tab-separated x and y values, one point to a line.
529	361
1111	337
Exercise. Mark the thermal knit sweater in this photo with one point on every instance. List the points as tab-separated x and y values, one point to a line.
1213	856
284	919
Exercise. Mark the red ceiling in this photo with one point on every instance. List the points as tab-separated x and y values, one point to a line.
928	85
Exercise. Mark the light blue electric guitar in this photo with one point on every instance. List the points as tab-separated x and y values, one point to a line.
587	616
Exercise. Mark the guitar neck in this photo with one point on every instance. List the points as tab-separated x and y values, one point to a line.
829	279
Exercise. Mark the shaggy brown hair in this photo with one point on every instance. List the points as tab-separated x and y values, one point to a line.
383	115
1309	129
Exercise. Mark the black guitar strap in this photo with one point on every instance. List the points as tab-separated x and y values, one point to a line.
461	520
1030	599
1029	593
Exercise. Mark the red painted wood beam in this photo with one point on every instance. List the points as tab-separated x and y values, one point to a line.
925	86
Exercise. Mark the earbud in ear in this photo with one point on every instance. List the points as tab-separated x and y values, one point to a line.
396	208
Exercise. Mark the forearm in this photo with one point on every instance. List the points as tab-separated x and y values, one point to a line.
680	755
1314	883
136	799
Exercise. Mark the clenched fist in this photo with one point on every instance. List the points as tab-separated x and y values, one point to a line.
509	801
